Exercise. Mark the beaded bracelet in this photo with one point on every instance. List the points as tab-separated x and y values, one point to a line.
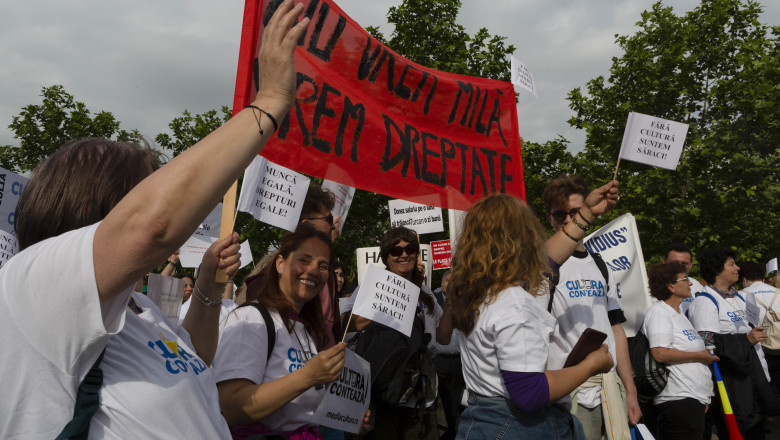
206	300
570	236
257	118
580	225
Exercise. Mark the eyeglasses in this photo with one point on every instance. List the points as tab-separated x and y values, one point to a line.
328	218
410	249
678	280
560	215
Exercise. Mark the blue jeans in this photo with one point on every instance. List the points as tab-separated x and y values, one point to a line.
499	418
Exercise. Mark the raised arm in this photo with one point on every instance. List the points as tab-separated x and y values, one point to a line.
150	223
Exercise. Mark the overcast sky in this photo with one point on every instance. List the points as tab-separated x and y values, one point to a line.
146	61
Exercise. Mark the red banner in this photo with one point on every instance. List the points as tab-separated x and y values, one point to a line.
366	117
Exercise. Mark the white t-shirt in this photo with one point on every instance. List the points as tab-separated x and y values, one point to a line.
728	318
764	292
582	301
242	354
666	328
696	287
511	334
53	329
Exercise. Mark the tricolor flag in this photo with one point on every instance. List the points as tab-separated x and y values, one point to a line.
731	421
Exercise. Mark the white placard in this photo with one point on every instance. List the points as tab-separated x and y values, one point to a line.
771	265
246	253
751	308
644	432
344	195
522	76
422	219
370	255
388	299
9	246
619	246
11	186
273	194
191	252
210	226
167	292
346	399
653	141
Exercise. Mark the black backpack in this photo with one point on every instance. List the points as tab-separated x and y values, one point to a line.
397	361
650	377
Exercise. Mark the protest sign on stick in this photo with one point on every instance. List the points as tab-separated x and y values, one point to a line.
370	255
387	298
191	252
273	194
366	117
344	195
421	219
11	186
619	246
652	141
9	246
441	254
346	399
522	76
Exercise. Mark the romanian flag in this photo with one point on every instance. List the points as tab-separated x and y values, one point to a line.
731	421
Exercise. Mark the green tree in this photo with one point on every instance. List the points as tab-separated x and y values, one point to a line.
715	68
44	128
188	129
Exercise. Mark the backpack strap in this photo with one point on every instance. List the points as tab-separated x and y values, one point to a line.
602	267
740	297
87	403
703	293
270	328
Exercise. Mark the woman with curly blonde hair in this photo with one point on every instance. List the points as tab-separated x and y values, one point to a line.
497	292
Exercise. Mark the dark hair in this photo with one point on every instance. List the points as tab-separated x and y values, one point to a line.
661	276
268	292
678	247
317	199
751	271
185	275
78	185
336	265
712	261
392	237
556	193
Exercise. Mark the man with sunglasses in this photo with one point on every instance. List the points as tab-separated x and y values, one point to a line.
586	298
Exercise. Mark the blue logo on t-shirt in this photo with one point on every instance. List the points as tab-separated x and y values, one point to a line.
736	316
297	358
692	335
183	362
583	288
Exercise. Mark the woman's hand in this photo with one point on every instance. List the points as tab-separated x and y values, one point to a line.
277	79
367	426
705	357
326	366
602	199
222	254
600	360
757	335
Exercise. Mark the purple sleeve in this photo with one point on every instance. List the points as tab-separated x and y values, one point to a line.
530	391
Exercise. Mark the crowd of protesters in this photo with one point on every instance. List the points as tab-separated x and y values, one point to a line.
87	356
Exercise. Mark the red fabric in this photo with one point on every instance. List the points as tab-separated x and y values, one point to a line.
366	117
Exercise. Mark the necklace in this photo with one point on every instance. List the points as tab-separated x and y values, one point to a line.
307	350
135	308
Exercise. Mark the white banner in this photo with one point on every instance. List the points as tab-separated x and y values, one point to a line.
167	293
370	255
344	195
273	194
522	76
9	246
388	299
653	141
11	185
419	218
619	246
346	399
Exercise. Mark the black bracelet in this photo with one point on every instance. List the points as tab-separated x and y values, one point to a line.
170	262
570	236
257	118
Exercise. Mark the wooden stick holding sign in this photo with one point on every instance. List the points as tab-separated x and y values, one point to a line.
228	220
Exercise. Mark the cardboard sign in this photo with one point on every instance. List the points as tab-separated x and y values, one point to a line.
370	255
191	252
751	309
653	141
522	76
346	399
421	219
366	117
167	292
771	265
619	246
273	194
9	246
344	195
11	186
388	299
442	254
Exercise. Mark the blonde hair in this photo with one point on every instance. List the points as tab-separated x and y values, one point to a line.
502	244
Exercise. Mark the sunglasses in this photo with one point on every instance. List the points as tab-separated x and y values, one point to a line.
328	218
410	249
560	215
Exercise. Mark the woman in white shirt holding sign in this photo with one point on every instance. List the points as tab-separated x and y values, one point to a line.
674	342
506	332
